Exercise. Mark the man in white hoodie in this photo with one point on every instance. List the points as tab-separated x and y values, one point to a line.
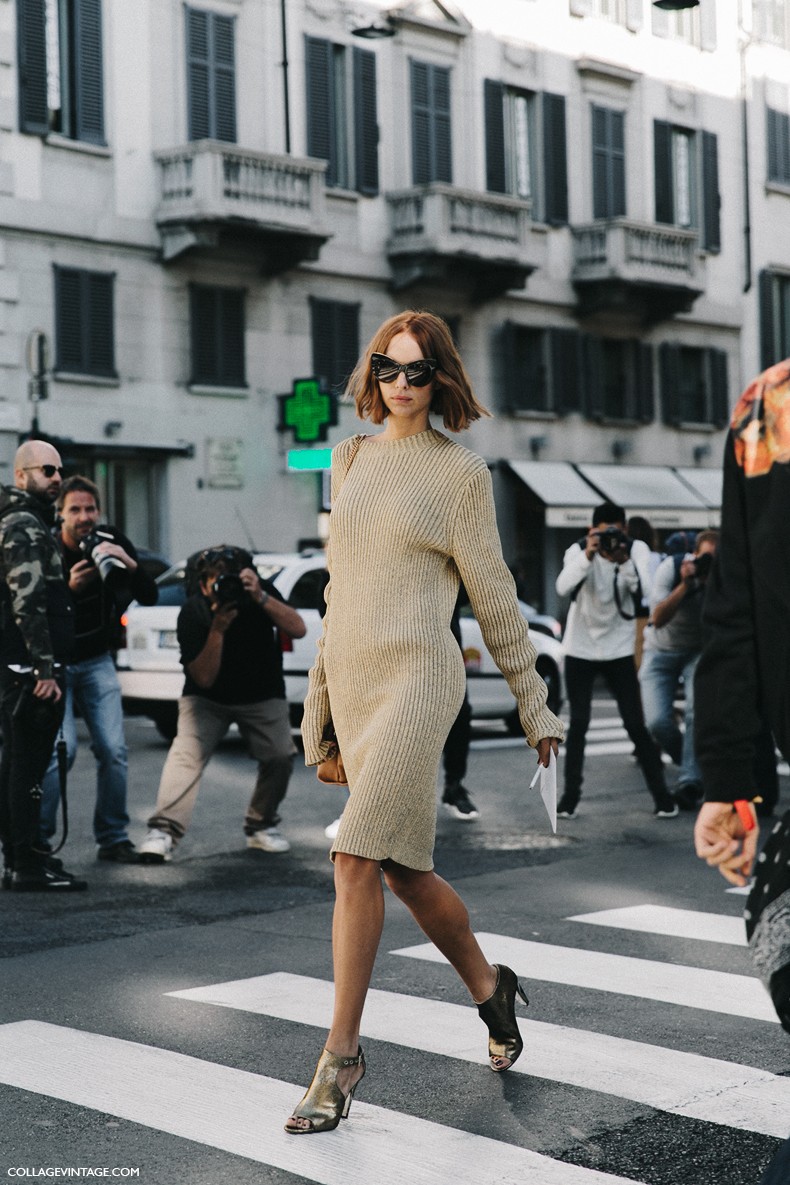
606	577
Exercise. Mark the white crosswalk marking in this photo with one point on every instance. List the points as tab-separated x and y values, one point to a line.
694	987
243	1114
677	923
682	1083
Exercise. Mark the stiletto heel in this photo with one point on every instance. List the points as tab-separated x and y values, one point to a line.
324	1103
498	1013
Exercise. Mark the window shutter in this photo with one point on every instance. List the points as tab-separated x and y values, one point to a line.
202	315
420	123
645	401
347	321
608	134
592	348
224	73
567	393
494	113
431	127
634	15
320	104
68	320
719	389
99	324
31	31
707	22
662	156
508	380
443	168
778	136
669	368
230	336
88	71
198	81
366	128
335	341
555	162
711	223
767	289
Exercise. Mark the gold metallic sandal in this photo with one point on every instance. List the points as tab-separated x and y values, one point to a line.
324	1104
498	1013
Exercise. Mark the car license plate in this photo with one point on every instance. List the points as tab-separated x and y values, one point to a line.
168	640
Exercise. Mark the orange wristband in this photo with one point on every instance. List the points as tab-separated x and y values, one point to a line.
743	810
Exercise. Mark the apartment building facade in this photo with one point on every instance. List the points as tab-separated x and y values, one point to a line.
202	203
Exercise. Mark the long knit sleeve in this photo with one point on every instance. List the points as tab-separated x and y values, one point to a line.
477	552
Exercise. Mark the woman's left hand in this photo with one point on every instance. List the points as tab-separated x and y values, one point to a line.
546	746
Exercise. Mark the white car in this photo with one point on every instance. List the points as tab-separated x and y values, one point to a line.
152	678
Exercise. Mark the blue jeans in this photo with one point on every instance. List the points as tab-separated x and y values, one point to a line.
93	686
659	675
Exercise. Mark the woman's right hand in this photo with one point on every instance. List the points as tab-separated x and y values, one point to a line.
545	747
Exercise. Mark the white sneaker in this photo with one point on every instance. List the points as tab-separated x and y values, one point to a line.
156	847
268	839
331	831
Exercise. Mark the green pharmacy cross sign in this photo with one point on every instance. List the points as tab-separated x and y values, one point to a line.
308	411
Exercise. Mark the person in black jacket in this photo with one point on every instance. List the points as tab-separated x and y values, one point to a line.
742	676
36	634
103	576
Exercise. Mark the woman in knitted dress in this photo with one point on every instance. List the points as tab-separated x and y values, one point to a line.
412	514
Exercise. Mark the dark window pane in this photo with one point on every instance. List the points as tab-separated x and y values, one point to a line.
32	64
692	394
84	322
217	325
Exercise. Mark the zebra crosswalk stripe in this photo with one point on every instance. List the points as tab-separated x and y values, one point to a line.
676	923
243	1114
695	987
670	1080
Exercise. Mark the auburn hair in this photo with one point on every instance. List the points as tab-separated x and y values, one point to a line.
453	397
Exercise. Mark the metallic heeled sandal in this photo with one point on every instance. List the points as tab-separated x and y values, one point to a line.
324	1104
498	1013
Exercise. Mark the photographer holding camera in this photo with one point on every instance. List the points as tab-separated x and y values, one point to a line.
673	643
606	576
230	650
103	577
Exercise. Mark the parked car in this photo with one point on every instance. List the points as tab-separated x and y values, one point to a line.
151	675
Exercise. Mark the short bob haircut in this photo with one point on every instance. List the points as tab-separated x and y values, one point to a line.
453	397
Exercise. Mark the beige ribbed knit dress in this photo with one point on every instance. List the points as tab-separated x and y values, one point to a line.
410	517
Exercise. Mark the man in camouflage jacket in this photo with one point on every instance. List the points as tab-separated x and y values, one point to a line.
36	630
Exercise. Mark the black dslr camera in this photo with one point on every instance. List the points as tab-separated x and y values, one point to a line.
702	565
105	564
227	589
612	539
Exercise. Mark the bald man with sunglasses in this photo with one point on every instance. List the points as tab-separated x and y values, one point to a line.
36	637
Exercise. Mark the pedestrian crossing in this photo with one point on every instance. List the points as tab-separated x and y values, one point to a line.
242	1113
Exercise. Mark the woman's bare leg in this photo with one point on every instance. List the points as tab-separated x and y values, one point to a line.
442	916
356	933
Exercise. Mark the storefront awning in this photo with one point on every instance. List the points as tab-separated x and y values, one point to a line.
654	491
671	498
568	498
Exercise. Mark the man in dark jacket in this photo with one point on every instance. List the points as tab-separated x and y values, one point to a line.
36	631
103	576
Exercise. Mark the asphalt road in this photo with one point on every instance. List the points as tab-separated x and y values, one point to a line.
651	1052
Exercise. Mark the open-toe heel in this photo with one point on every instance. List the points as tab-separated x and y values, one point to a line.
498	1013
324	1104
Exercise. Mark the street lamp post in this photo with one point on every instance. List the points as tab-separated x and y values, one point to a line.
675	5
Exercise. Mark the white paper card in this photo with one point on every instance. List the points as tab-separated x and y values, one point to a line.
546	777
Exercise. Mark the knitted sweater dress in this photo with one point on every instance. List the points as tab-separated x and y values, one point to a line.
410	517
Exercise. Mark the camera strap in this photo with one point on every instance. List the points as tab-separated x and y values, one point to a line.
635	593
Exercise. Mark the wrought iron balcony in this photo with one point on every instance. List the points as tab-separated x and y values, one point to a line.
214	194
646	271
443	235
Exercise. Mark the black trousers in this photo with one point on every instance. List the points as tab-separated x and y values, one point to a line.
620	677
456	747
30	728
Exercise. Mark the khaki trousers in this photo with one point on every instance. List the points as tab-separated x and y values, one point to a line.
202	724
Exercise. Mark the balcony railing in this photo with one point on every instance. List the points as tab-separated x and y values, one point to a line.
437	224
660	263
217	185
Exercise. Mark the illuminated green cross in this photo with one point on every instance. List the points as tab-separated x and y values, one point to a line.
308	411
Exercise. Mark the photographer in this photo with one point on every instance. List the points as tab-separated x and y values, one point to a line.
673	642
36	636
103	577
606	575
230	650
